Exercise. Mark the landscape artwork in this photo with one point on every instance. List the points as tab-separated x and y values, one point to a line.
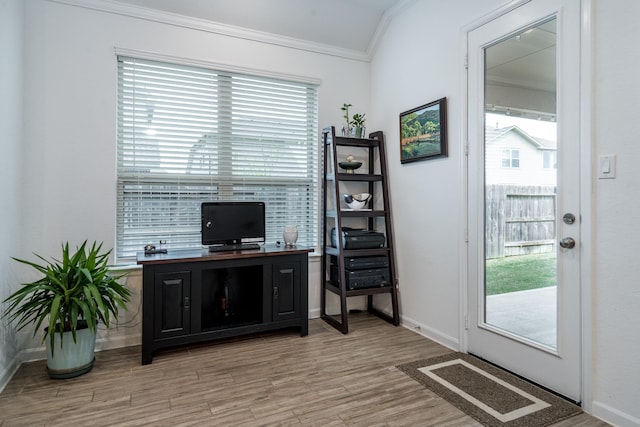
423	132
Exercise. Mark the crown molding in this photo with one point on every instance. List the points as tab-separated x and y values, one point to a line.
386	19
152	15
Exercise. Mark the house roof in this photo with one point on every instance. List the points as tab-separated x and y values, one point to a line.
493	134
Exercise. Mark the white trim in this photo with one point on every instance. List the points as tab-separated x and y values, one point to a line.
107	343
434	335
464	138
314	313
387	17
9	372
33	354
485	19
464	193
130	267
586	203
154	56
214	28
110	343
612	415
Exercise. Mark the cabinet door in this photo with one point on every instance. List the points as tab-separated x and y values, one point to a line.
172	305
286	290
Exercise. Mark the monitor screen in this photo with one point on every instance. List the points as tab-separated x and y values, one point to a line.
232	222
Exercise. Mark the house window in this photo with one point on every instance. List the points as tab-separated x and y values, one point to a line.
549	159
511	158
189	134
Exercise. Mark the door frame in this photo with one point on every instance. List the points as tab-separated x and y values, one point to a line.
586	184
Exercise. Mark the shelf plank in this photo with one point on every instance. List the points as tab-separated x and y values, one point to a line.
362	213
355	142
359	177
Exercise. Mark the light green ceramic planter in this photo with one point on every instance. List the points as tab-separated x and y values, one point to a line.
71	359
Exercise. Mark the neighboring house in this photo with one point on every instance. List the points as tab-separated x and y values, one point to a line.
515	157
520	191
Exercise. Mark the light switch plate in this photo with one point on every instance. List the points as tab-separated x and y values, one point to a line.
607	166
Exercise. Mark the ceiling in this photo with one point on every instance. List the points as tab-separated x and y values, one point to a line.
526	59
521	72
345	24
352	28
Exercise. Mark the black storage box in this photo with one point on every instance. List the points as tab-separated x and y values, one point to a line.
365	262
360	279
358	239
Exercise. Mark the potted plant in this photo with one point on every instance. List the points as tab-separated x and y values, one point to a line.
355	124
71	298
358	122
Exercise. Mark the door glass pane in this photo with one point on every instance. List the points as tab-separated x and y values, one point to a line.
520	152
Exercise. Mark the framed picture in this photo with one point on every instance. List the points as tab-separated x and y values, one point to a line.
423	132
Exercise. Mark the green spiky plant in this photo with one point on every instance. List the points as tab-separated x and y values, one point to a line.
77	288
358	120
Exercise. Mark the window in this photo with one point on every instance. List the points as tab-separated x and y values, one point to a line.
549	159
510	158
188	134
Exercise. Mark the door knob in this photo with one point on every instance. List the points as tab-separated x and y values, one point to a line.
569	218
567	243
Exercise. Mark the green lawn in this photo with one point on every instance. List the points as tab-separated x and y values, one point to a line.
519	273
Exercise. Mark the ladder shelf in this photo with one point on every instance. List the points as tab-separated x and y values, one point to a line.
362	271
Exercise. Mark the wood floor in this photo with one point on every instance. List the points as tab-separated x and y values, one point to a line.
279	379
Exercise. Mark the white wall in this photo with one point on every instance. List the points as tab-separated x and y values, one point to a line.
70	138
10	170
616	281
71	102
420	60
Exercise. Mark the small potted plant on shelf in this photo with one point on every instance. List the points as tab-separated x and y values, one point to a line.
346	130
358	123
354	125
71	298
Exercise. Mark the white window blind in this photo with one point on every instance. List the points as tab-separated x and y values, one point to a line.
188	134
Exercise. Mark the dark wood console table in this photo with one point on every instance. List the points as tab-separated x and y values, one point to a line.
193	295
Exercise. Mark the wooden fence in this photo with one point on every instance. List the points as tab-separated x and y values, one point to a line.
520	220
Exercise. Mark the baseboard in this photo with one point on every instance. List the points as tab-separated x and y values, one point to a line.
425	331
33	354
9	372
430	333
613	416
118	342
314	314
40	353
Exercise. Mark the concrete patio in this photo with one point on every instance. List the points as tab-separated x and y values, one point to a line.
530	314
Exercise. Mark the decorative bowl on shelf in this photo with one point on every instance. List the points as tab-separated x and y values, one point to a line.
349	166
357	201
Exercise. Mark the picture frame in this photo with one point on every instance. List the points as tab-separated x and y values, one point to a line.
423	132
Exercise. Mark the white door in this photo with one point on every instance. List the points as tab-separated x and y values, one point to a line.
523	179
